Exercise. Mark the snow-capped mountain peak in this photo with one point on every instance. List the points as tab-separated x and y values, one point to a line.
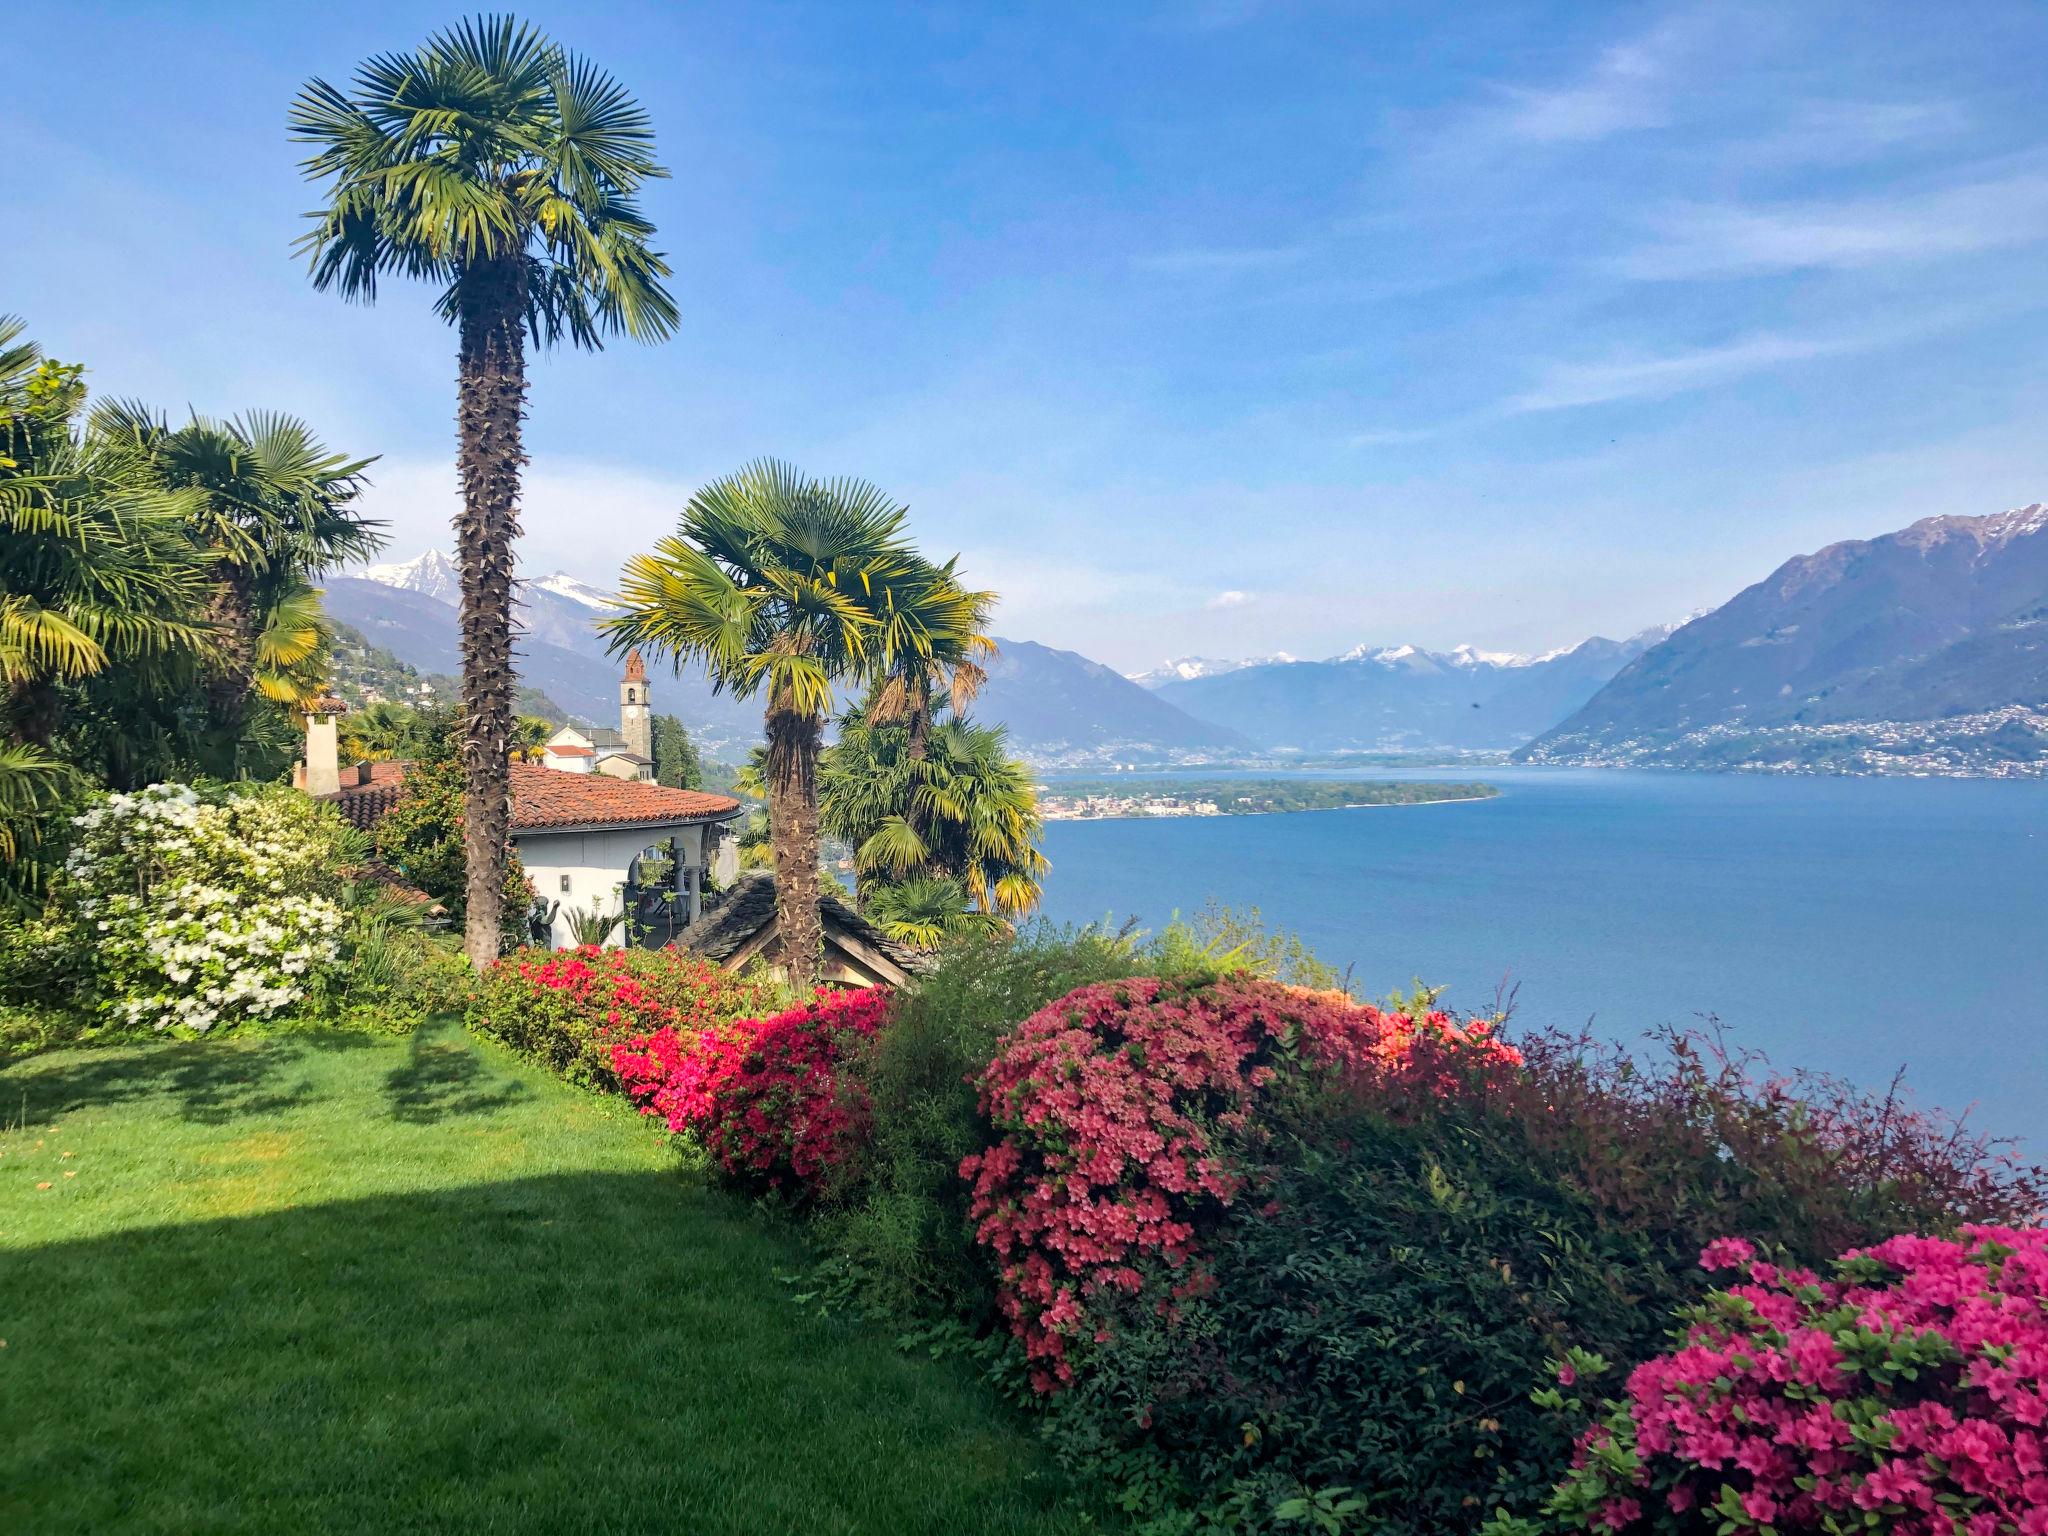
576	591
429	572
1472	656
1183	669
434	575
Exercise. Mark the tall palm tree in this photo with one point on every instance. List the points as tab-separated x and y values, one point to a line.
503	168
276	509
779	585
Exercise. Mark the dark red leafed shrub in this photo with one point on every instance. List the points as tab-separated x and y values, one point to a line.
1695	1139
764	1096
1907	1395
568	1008
1109	1104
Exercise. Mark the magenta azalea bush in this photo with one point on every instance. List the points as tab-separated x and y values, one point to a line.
1108	1105
1908	1395
764	1096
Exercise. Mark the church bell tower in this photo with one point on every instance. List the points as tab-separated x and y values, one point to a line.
635	711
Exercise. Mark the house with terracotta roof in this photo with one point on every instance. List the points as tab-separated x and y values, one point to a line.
587	840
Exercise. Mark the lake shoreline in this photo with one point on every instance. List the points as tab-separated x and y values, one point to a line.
1291	810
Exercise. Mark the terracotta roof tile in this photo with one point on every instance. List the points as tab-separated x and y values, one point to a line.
546	797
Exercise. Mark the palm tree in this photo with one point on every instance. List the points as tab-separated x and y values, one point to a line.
936	636
96	569
503	168
276	509
779	585
926	910
530	735
964	813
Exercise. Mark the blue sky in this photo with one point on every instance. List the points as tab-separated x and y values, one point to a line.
1223	327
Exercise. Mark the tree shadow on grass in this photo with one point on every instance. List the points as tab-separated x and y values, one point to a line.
586	1352
212	1082
444	1077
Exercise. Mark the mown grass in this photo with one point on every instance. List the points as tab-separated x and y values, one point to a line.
340	1282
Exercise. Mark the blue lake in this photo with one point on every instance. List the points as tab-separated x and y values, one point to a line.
1850	925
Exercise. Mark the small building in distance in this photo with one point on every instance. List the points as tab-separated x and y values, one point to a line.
626	753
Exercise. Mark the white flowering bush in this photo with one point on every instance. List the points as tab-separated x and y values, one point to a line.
205	908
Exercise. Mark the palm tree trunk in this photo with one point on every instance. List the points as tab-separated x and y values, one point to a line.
492	405
793	743
231	670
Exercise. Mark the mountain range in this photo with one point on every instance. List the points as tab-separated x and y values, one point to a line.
1924	650
1921	651
1401	698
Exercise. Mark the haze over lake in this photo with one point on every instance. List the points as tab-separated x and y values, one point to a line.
1849	924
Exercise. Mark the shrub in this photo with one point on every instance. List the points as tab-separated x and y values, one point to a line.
204	908
1907	1395
566	1009
762	1095
421	838
1369	1330
902	1240
1111	1104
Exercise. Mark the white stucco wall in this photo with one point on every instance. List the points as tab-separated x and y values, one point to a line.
594	865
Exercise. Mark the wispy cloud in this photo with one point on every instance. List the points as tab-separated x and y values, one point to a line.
1722	240
1231	599
1221	259
1834	132
1562	386
1625	89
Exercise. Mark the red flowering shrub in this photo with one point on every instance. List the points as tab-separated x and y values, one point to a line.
1908	1395
1109	1103
762	1095
567	1008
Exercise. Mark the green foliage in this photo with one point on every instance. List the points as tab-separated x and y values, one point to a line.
1381	1326
1221	941
421	839
676	761
272	509
925	910
902	1239
102	589
592	925
489	146
962	811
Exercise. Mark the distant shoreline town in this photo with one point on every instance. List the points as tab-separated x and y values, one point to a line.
1127	800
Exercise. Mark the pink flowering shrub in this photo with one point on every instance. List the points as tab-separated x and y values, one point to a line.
567	1008
764	1096
1109	1105
1907	1395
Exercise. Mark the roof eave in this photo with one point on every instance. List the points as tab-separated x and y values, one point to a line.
630	826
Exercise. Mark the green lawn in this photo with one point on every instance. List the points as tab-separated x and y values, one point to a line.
336	1282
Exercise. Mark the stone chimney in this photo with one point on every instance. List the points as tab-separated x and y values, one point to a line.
322	769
